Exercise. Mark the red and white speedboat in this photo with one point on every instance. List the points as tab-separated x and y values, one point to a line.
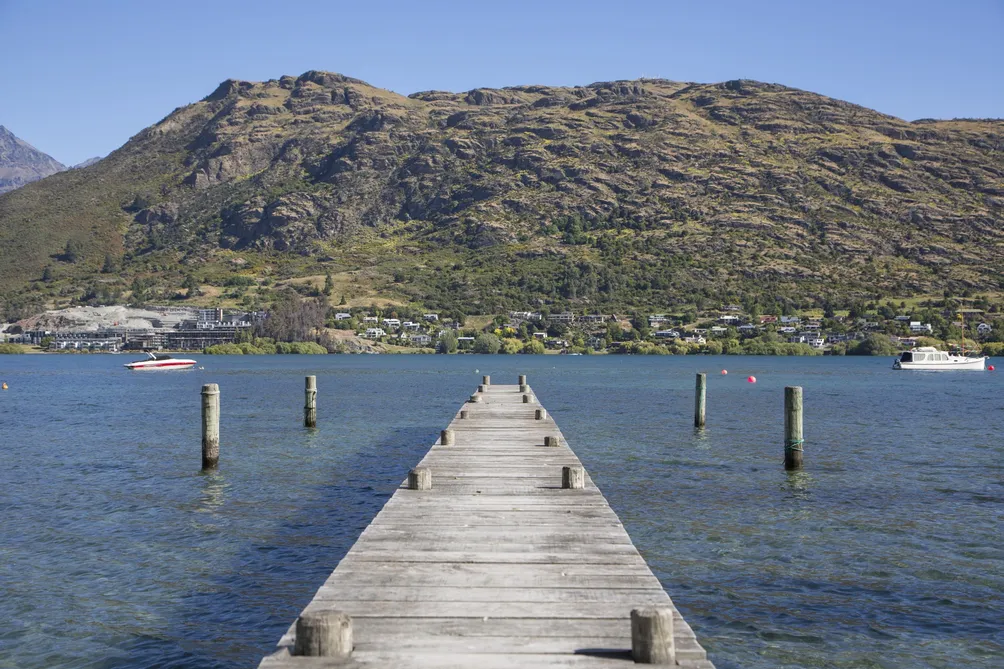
161	361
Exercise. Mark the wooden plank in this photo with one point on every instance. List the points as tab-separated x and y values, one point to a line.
496	566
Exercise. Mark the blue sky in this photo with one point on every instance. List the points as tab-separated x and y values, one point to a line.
80	78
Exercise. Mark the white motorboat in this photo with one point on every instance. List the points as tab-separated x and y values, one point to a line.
930	358
161	361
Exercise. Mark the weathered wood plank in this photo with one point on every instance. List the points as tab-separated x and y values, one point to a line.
495	566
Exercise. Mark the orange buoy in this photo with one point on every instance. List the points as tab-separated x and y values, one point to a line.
5	385
751	379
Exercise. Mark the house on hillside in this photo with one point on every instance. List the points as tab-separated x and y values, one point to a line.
916	327
667	334
431	317
374	333
343	316
421	340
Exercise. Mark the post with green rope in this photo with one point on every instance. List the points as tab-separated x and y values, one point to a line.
793	427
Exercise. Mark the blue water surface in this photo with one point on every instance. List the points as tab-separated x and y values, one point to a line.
885	551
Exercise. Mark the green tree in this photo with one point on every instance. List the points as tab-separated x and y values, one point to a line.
488	343
447	342
47	274
511	346
329	285
875	344
110	266
72	252
534	347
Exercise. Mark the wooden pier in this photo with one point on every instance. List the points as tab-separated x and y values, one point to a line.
496	565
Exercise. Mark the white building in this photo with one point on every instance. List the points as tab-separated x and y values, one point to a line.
917	327
421	340
374	333
667	334
370	319
343	316
431	317
391	322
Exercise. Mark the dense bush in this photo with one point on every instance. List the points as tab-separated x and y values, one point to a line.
10	349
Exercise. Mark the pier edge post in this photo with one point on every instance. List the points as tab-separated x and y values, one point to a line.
476	397
210	425
310	402
793	427
540	414
323	634
464	413
486	380
700	400
420	478
551	441
522	379
652	636
446	437
573	478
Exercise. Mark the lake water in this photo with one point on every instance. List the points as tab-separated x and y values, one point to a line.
886	551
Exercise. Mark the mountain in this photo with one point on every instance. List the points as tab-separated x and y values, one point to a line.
645	193
22	163
86	163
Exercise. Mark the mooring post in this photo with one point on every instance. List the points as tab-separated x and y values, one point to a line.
793	427
551	440
522	379
652	636
310	402
446	437
527	399
210	425
573	478
700	399
476	397
523	388
464	413
486	380
482	388
324	634
420	478
540	414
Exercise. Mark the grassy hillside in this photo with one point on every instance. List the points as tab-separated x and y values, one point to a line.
616	195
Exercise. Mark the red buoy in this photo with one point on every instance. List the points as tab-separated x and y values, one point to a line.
751	379
991	368
724	372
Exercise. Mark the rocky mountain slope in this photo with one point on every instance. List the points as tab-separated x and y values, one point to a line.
626	193
22	163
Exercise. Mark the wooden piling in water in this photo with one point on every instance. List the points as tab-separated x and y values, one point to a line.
210	425
323	634
793	427
652	636
310	402
700	400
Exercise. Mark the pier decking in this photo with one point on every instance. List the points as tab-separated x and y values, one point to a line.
496	566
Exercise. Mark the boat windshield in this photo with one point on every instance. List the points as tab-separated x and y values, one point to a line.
907	356
161	356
